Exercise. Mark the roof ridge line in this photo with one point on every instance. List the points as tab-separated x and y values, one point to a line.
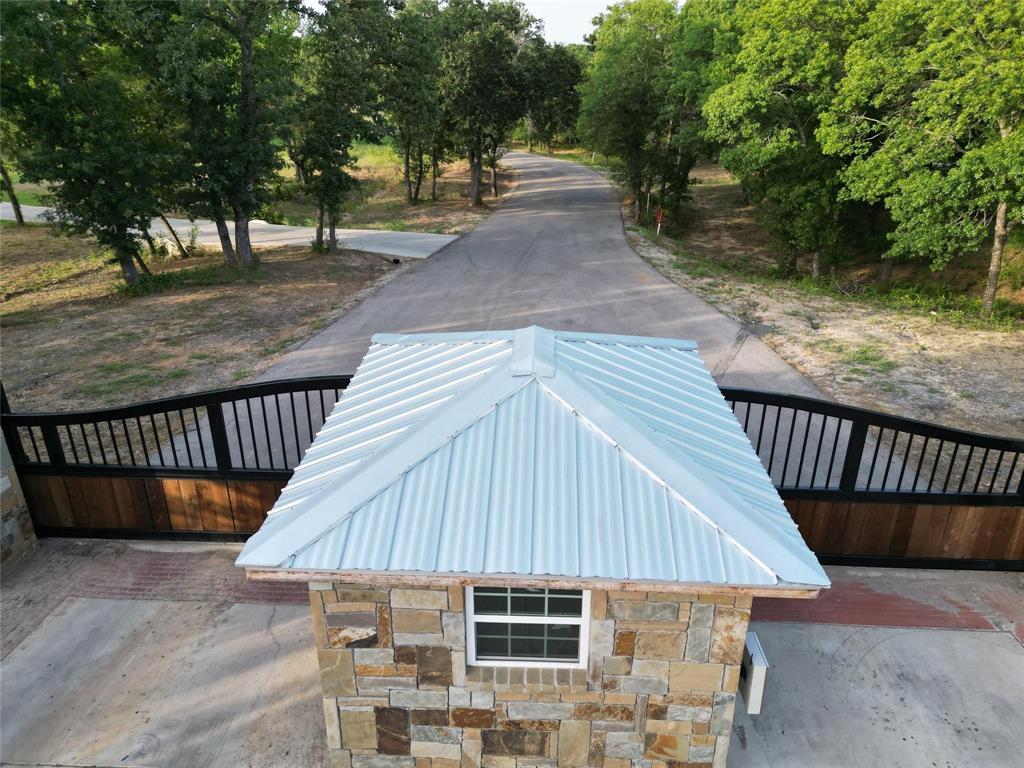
435	431
578	394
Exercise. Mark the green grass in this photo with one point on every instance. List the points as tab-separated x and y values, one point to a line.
939	302
120	377
28	194
213	274
869	357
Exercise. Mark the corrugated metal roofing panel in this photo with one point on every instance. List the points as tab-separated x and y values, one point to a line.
536	453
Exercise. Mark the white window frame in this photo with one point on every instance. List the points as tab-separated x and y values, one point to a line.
583	621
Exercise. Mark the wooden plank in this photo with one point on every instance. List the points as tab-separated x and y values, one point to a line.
1015	547
61	501
175	504
192	504
1002	532
822	519
157	504
123	503
140	501
838	513
876	532
39	497
902	526
955	528
214	506
973	518
935	536
849	541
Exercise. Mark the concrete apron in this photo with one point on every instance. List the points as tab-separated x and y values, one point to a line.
851	697
105	682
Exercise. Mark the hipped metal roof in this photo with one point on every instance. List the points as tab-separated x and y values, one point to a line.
534	453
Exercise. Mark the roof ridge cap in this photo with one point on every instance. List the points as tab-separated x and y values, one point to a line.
591	404
471	405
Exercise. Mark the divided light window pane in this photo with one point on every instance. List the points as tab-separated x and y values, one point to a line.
519	601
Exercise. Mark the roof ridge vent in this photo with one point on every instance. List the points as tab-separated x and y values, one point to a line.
533	352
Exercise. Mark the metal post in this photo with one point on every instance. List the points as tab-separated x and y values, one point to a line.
854	452
219	433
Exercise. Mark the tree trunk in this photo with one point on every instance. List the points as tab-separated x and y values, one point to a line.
332	236
152	250
816	266
407	151
142	264
9	189
494	180
885	274
433	176
475	195
243	246
638	192
225	240
420	172
126	258
996	264
318	243
174	235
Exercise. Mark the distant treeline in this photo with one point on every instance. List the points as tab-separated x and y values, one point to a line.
886	126
130	110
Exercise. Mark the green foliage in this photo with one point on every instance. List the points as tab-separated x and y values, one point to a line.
216	274
782	76
930	117
551	78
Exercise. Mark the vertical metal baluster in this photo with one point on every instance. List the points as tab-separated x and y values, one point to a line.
199	433
35	445
874	458
967	466
760	431
99	441
113	440
142	435
892	452
981	470
920	463
238	433
949	472
835	450
995	472
1009	475
775	438
252	432
906	460
935	465
71	440
309	414
159	442
85	442
789	448
184	434
170	440
295	426
280	431
266	430
817	453
803	451
128	439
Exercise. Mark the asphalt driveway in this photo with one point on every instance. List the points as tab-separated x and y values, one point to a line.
554	254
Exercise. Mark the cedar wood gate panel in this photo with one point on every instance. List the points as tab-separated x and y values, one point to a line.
864	487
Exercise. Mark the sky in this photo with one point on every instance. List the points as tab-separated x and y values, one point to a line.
566	21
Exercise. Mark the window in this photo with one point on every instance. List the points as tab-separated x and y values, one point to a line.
524	627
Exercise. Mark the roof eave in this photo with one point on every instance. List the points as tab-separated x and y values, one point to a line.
430	579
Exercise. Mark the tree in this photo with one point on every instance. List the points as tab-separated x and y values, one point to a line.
930	115
412	90
624	95
479	77
9	141
227	63
97	133
551	79
782	77
343	50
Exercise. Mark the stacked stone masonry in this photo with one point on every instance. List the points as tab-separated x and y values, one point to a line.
659	692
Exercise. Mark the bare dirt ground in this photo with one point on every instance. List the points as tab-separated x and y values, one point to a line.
913	364
72	340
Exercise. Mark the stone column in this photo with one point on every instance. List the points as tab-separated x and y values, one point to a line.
17	535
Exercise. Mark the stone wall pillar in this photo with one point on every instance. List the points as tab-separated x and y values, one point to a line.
17	535
659	691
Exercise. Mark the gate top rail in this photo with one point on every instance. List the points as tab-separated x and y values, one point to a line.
811	448
877	418
176	402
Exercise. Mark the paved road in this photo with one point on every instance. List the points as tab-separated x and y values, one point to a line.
554	255
406	245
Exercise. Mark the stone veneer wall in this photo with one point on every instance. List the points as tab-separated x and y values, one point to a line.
17	534
659	692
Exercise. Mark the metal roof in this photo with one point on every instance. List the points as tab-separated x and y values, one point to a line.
535	453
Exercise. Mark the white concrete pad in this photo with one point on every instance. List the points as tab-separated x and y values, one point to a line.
858	697
105	682
404	245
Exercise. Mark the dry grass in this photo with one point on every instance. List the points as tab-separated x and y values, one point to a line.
71	339
379	202
933	364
